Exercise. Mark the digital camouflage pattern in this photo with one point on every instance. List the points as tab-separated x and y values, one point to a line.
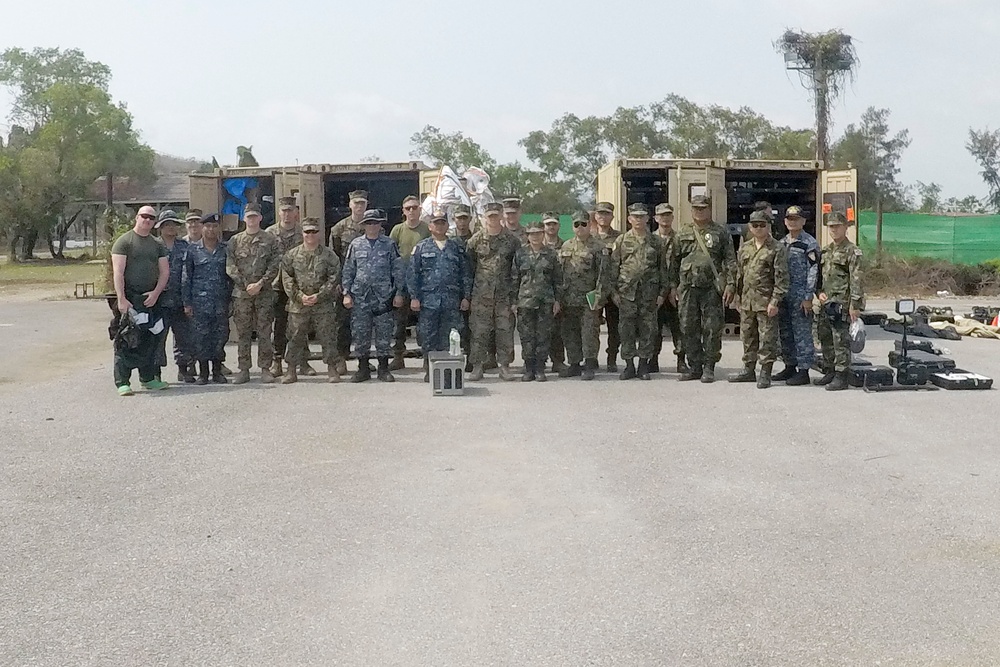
252	258
306	272
373	276
206	289
636	278
796	325
667	315
581	264
341	235
172	309
538	277
288	238
439	278
493	292
610	310
842	275
761	281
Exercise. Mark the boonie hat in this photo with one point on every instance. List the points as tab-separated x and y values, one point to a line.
663	209
165	217
701	201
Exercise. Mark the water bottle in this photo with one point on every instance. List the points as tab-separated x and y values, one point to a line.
455	343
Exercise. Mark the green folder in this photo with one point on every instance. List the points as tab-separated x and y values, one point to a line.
592	297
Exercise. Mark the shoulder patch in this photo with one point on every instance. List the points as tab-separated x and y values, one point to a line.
857	252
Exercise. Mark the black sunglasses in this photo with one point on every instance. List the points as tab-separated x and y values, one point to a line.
758	224
310	231
147	216
580	223
410	208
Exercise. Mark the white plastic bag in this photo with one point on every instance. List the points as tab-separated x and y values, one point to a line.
857	333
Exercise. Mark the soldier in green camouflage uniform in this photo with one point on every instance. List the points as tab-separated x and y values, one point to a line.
638	284
557	350
582	260
491	251
761	282
310	276
252	261
289	234
841	300
536	270
667	314
512	219
341	236
702	278
604	213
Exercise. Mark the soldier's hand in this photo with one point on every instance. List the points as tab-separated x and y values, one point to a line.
673	297
807	306
348	301
823	297
123	305
414	305
659	301
772	310
728	296
855	314
309	300
464	305
397	302
735	303
253	289
150	299
556	308
188	311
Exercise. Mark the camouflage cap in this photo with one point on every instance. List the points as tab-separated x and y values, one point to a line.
701	201
760	216
373	216
439	215
550	216
211	218
835	218
511	204
356	195
604	207
167	215
493	207
581	216
252	209
663	209
286	203
310	223
794	212
462	211
535	226
638	210
193	215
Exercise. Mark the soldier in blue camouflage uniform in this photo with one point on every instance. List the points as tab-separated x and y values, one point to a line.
439	282
205	290
538	277
170	303
795	316
373	286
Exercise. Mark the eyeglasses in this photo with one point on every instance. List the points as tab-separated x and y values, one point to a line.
758	225
579	223
411	208
147	216
310	231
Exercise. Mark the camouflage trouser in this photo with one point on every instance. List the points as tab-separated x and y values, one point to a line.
637	326
466	335
365	325
488	320
403	319
611	319
254	313
667	314
835	344
210	331
581	331
534	326
759	334
702	320
434	326
343	330
324	322
796	335
281	318
179	324
557	350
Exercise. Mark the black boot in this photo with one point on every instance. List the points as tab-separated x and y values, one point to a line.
202	373
217	376
529	371
786	374
801	377
427	371
644	369
745	375
764	380
682	367
589	366
364	372
184	374
653	365
629	371
612	363
383	370
708	374
693	373
825	380
540	372
570	371
839	382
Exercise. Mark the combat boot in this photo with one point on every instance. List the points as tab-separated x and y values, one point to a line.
540	372
477	373
764	381
225	369
839	382
558	367
612	363
786	373
629	371
708	374
588	369
643	371
825	380
801	377
427	370
745	375
276	369
383	370
217	375
693	373
682	367
505	373
184	373
291	375
364	372
342	367
306	369
653	365
332	373
202	373
571	371
242	377
491	363
265	376
398	363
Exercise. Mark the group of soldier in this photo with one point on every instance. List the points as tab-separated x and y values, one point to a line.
367	287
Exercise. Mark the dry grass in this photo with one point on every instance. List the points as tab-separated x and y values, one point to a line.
920	276
49	273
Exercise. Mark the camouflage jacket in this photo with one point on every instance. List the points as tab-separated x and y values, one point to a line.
373	272
171	297
519	233
609	238
306	272
538	277
287	239
690	267
205	287
636	270
252	258
555	245
667	242
842	274
582	263
439	277
342	234
803	266
491	258
761	274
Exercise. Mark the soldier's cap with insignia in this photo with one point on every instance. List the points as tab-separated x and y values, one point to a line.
701	201
533	227
760	216
286	203
373	216
463	211
604	207
166	216
357	195
493	207
638	210
550	216
835	218
211	218
663	209
193	214
794	212
581	216
511	204
439	215
310	223
252	209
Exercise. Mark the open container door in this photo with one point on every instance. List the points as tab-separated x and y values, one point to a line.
286	184
715	180
611	189
311	200
683	183
204	193
839	193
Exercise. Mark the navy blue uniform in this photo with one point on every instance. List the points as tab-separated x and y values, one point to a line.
373	277
439	278
206	289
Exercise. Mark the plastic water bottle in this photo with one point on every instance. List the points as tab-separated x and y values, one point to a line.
454	343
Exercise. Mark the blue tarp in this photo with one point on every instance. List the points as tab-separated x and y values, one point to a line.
236	199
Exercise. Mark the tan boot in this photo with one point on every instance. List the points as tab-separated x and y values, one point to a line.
342	367
276	369
333	375
290	376
242	377
266	377
398	363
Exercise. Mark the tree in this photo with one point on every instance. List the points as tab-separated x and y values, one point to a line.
985	148
930	197
968	204
825	62
875	153
455	150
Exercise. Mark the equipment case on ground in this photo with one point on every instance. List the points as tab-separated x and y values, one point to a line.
861	374
959	379
933	362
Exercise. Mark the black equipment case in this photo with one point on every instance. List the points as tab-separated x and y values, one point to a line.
861	375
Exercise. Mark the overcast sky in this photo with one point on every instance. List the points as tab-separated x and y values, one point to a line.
334	81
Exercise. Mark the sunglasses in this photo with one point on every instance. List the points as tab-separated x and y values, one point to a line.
410	208
310	231
147	216
580	224
758	225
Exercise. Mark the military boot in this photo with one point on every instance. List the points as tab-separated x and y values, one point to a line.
202	373
491	363
786	373
708	374
529	371
265	376
291	376
225	369
540	372
306	369
682	367
653	365
745	375
398	363
839	382
571	371
383	370
629	371
364	373
218	377
184	373
505	373
589	366
276	369
612	363
764	380
801	377
643	371
242	377
693	373
342	367
825	380
477	373
558	367
427	370
332	373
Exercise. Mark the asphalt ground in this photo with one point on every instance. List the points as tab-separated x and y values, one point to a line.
567	523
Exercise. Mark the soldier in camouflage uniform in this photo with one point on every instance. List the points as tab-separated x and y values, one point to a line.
491	253
341	236
170	303
761	282
604	213
702	278
253	259
289	235
462	215
439	282
537	275
205	290
310	276
373	285
841	300
667	313
557	350
512	219
407	234
795	316
582	260
637	282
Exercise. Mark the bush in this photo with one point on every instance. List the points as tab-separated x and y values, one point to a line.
920	276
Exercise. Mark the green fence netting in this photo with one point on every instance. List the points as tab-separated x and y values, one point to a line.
956	239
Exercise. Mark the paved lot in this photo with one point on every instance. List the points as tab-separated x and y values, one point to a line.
605	523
